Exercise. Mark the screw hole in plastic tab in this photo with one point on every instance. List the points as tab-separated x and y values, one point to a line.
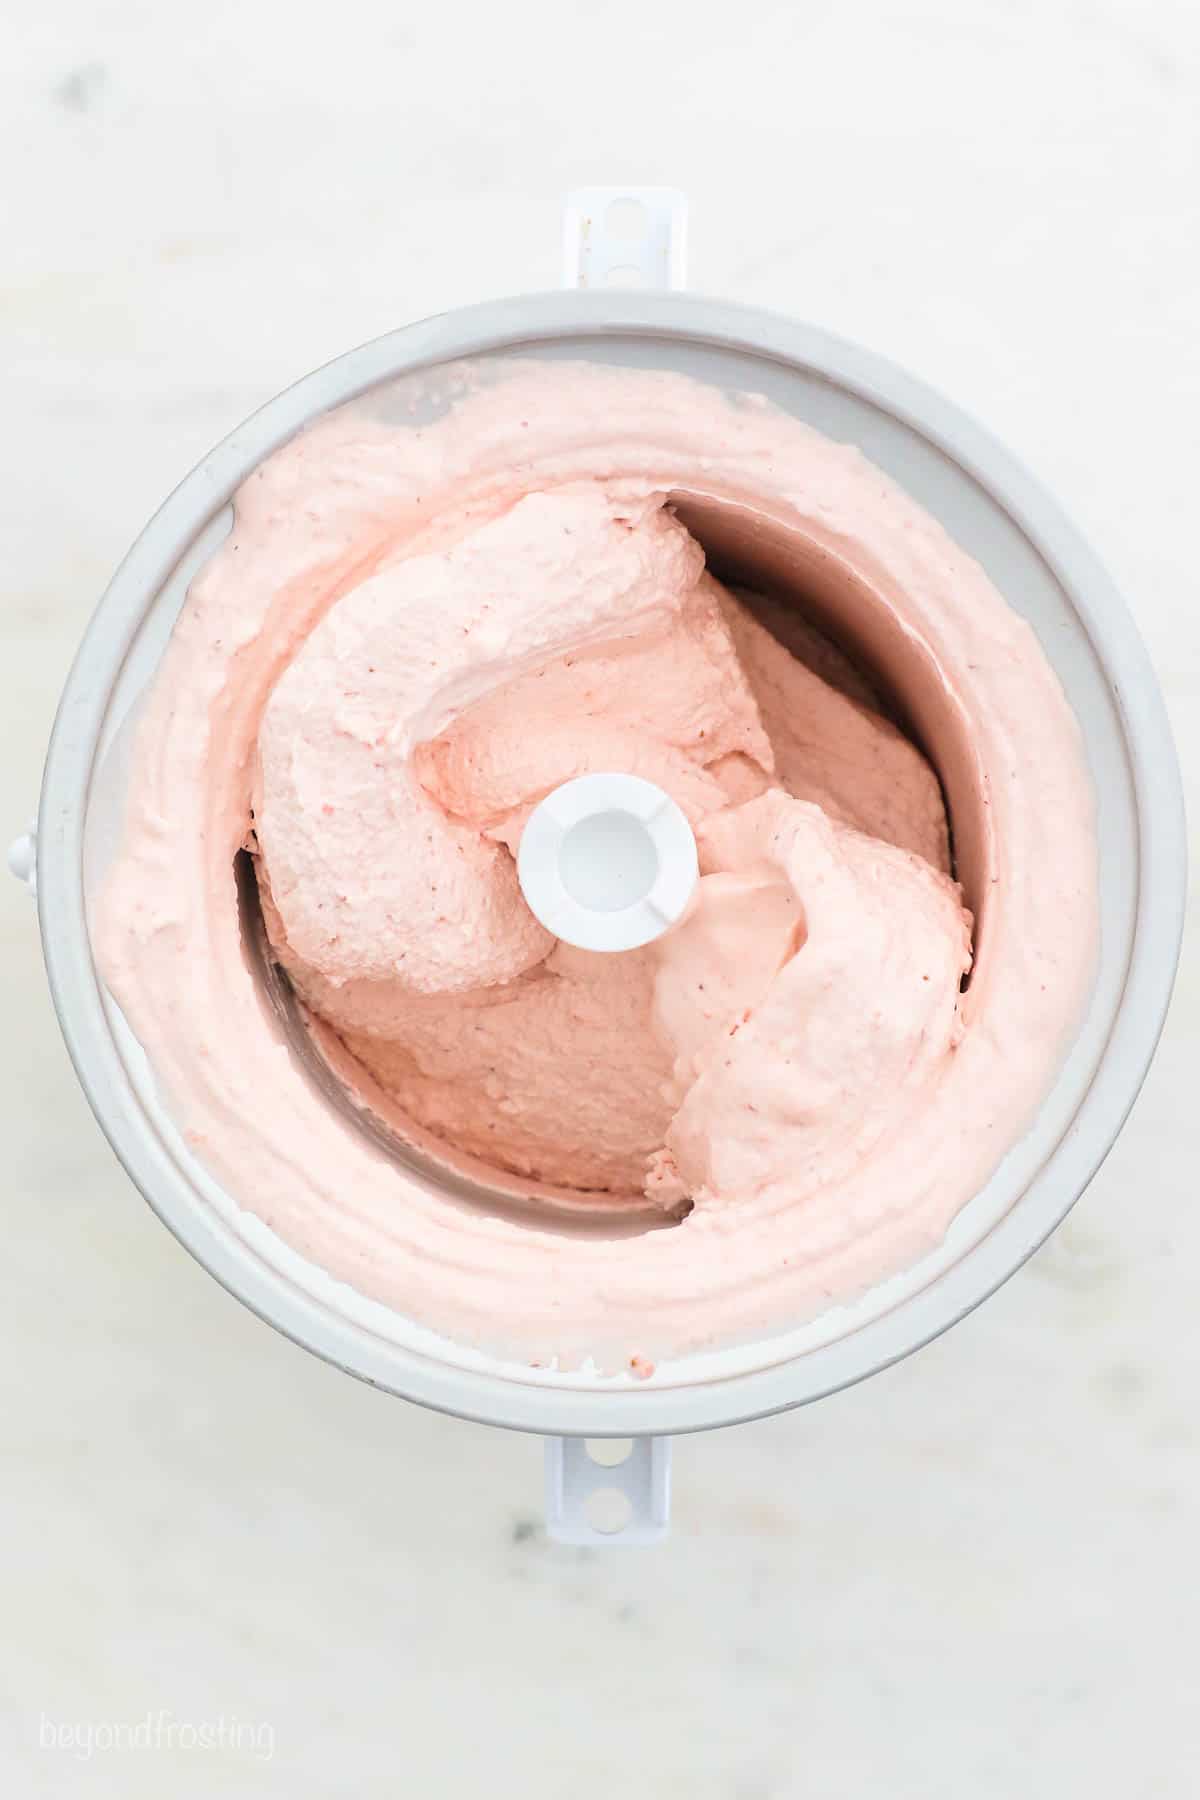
625	275
609	1453
627	221
608	1510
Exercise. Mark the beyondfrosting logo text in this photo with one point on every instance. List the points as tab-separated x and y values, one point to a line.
160	1731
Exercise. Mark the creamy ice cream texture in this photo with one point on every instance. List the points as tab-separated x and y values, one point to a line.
412	636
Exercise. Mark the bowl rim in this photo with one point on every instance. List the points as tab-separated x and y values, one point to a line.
523	321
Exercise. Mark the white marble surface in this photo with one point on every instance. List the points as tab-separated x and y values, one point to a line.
975	1574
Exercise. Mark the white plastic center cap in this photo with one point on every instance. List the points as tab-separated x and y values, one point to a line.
607	862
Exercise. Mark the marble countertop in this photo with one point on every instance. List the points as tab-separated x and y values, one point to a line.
973	1574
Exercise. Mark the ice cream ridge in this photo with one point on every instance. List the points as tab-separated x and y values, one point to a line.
413	635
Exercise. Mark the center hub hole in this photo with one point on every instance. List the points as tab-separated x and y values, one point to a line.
608	862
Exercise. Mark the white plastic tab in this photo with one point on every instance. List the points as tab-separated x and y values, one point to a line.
22	858
607	862
595	1496
625	237
593	1499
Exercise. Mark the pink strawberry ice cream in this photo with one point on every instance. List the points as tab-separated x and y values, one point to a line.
408	640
